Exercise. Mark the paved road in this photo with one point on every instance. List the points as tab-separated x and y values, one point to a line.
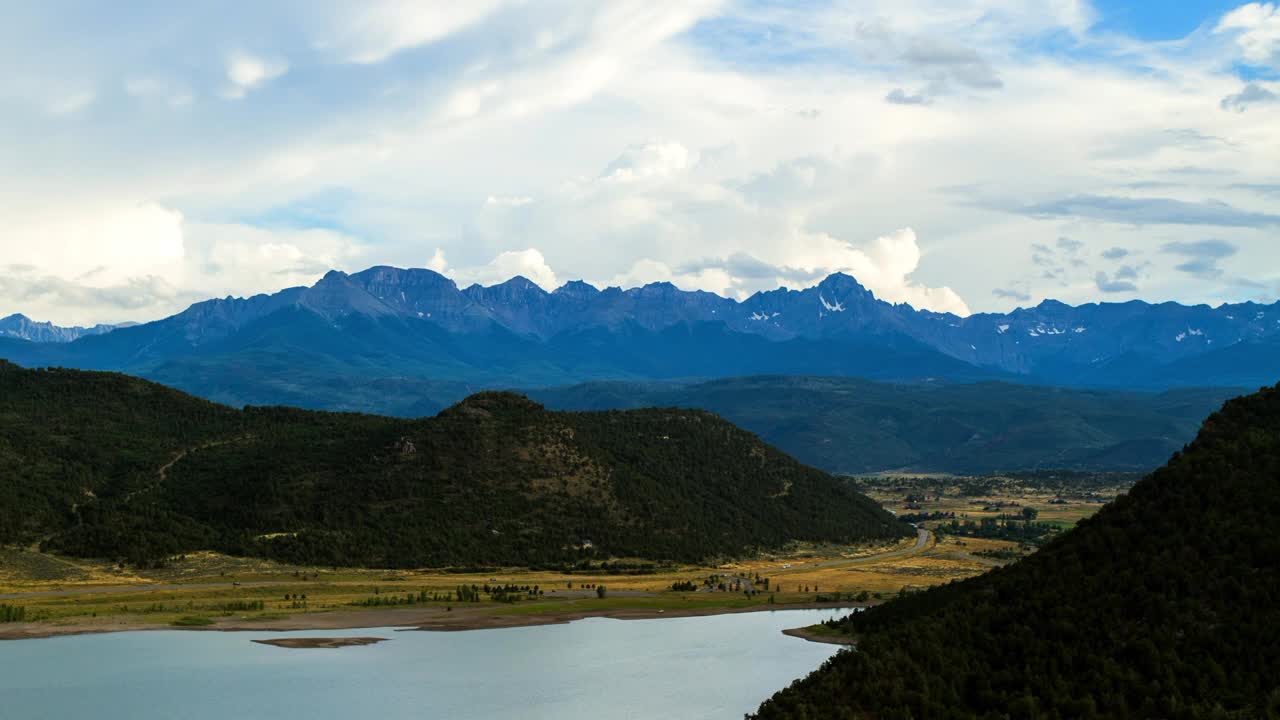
922	539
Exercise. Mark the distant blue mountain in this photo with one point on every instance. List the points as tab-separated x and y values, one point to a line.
344	342
21	327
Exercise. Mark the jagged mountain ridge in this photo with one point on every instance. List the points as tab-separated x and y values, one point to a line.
21	327
433	328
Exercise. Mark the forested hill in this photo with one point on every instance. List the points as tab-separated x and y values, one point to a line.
98	464
1161	605
849	425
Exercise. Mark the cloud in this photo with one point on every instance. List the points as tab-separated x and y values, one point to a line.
1042	254
1256	28
884	266
72	103
511	202
1260	188
390	123
1152	211
746	267
1252	94
373	30
954	63
646	271
117	299
115	262
1202	248
1115	253
1108	285
1203	257
653	159
438	262
247	72
1069	246
528	263
898	96
1127	272
1012	294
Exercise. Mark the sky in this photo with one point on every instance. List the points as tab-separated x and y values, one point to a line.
958	156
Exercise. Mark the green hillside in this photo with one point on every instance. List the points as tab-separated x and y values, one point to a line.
106	465
1161	605
848	425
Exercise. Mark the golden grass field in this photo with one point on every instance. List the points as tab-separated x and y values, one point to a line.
201	587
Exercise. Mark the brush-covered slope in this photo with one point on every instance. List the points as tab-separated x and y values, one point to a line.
99	464
1161	605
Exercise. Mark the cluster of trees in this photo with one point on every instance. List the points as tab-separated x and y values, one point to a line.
724	583
12	613
606	567
1160	605
392	600
511	593
240	606
495	480
463	593
837	596
1023	530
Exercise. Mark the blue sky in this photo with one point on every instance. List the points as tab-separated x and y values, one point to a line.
1150	20
961	155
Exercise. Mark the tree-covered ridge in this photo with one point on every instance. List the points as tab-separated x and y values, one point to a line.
1161	605
99	464
851	425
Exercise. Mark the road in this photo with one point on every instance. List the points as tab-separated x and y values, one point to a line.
922	539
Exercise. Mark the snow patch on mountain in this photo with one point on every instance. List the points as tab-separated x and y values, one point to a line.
837	306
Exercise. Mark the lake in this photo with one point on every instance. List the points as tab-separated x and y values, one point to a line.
595	669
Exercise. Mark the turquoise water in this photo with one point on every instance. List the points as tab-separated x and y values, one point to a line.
595	669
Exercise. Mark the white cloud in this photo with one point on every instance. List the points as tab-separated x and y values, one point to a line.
528	263
128	238
885	268
1257	32
438	262
140	261
72	103
373	30
247	72
511	202
711	279
769	138
173	93
653	159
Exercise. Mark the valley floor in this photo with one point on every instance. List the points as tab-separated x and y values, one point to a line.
216	592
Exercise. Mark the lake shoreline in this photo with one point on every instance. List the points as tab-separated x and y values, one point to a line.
808	633
432	619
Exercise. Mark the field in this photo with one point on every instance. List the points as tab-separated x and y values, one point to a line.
207	589
1054	502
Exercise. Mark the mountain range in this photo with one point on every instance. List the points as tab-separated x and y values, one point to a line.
21	327
415	335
